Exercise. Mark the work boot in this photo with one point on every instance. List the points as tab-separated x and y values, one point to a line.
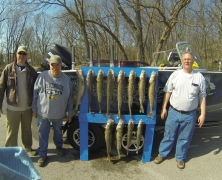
60	151
32	152
180	164
158	159
42	161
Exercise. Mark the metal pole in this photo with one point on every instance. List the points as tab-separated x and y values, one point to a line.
73	57
111	55
91	56
98	61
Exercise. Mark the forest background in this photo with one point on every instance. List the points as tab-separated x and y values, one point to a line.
135	28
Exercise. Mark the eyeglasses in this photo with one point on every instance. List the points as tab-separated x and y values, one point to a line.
187	59
21	53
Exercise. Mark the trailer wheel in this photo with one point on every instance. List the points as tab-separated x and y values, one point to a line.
133	146
95	136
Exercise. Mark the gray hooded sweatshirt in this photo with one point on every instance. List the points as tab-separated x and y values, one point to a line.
53	97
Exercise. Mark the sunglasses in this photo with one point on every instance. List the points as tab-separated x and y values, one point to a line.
21	53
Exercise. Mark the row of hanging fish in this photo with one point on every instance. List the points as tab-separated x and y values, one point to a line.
119	135
121	84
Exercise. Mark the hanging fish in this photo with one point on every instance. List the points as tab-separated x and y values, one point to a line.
120	90
99	88
130	89
138	134
141	88
89	80
152	92
79	91
110	89
119	135
129	134
108	137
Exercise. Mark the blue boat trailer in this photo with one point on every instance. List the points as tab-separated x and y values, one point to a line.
86	117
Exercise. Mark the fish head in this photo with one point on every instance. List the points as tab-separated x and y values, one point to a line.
143	74
111	121
110	71
131	121
100	75
100	72
121	72
141	121
132	73
121	75
121	121
132	76
152	77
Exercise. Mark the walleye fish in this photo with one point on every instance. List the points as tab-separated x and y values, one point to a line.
129	134
138	134
130	89
79	91
99	88
89	80
108	136
141	88
119	135
110	89
120	90
152	92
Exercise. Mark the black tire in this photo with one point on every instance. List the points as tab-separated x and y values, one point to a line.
96	136
132	148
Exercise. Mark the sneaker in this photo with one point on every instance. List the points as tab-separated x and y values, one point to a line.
32	152
60	151
180	164
158	159
41	161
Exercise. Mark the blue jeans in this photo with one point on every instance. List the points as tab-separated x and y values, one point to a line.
180	126
44	130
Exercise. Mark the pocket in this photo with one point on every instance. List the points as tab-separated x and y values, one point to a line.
194	90
11	81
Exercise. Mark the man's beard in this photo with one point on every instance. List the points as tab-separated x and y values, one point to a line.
55	73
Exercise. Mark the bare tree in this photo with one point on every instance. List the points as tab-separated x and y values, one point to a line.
168	18
14	29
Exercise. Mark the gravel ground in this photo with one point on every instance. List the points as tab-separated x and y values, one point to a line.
204	161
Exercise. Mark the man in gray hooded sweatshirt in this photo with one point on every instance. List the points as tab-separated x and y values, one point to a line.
53	98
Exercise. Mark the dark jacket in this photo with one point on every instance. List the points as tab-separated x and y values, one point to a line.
8	83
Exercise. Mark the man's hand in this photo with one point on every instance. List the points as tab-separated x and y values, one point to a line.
201	120
34	114
163	113
1	112
69	119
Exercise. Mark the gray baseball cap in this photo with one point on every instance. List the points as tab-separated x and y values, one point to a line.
55	59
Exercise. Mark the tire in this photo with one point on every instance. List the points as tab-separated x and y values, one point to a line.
132	148
96	136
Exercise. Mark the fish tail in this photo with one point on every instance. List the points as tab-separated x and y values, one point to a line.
107	111
108	156
130	111
141	108
151	115
119	113
100	108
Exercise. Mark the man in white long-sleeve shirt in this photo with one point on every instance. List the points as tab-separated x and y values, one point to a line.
53	98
